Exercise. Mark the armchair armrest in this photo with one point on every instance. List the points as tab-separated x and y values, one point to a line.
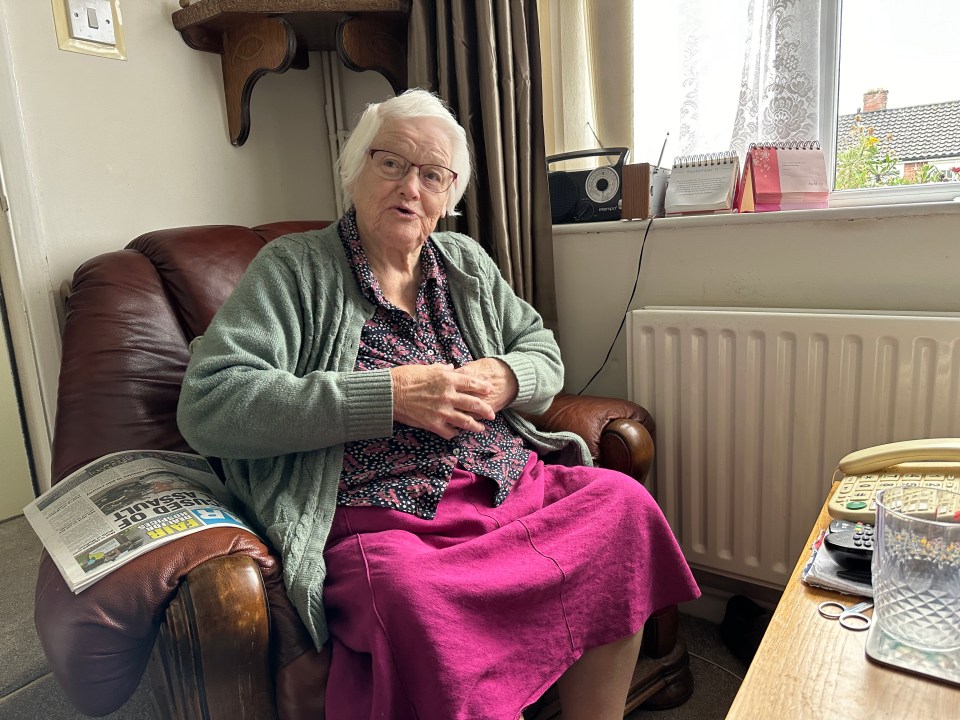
627	446
212	655
98	643
619	433
211	658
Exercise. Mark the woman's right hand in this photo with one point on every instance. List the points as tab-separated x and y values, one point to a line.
439	399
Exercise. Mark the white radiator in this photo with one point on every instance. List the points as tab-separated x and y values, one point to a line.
754	408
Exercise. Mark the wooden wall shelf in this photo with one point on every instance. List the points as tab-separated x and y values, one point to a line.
254	37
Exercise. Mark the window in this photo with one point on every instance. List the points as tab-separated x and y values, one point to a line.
898	99
873	80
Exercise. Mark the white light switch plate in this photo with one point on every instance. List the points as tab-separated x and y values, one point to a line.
91	20
91	27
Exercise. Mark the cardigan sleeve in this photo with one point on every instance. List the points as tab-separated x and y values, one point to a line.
529	348
248	393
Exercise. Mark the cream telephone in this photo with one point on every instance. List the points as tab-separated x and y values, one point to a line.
933	463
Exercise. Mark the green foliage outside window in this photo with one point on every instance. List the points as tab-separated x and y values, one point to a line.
868	161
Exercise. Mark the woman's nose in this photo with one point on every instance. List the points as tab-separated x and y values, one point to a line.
410	183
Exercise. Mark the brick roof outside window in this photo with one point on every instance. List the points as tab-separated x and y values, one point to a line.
920	132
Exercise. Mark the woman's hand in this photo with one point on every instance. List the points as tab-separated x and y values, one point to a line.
498	374
440	399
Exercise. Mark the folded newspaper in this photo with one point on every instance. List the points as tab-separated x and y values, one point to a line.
123	505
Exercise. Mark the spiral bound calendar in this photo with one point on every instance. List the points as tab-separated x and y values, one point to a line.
703	184
783	176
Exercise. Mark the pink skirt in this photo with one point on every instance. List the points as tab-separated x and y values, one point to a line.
474	614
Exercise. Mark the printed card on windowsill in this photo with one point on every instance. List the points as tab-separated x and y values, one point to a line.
703	184
783	176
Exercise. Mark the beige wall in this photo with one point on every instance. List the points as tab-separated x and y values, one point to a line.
96	151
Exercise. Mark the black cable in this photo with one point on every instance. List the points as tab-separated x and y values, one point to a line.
623	320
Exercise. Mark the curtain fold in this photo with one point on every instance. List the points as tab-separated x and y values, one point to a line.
483	60
588	73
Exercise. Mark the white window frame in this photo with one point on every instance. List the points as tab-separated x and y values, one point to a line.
830	17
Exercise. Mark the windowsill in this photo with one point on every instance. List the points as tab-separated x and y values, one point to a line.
896	195
784	216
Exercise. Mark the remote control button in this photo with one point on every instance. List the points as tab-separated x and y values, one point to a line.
856	505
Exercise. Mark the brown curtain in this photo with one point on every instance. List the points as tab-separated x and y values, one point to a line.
483	59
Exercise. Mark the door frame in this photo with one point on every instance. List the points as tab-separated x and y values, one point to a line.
25	275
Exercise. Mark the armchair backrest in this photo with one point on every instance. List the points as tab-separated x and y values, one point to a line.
130	317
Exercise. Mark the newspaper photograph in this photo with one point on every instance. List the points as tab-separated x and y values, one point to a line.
123	505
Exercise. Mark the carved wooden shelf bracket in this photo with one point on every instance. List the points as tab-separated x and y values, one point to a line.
375	42
254	37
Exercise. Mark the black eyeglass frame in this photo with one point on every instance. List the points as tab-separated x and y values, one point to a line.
453	179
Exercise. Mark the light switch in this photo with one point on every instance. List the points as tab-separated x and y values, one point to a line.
91	20
91	27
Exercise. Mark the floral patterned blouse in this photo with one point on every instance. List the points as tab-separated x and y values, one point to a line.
410	470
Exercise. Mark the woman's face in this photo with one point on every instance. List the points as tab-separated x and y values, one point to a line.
400	213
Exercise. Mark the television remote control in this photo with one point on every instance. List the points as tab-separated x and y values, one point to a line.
850	544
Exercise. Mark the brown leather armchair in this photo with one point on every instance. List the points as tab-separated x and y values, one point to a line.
207	615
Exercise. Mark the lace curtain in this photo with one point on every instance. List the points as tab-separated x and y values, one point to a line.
780	87
714	75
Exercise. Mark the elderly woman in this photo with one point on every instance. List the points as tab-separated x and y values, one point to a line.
363	386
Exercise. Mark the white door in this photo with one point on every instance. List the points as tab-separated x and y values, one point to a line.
16	484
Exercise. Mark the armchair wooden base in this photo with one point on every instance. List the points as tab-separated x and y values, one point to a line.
211	659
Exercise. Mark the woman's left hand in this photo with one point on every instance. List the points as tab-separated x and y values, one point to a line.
501	378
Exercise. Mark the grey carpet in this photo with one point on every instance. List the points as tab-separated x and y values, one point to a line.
29	692
44	700
23	658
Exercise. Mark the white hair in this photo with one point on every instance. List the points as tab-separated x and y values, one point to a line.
413	103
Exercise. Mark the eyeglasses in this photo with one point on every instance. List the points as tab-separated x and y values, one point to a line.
390	166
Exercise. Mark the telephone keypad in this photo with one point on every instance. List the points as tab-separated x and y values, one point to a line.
855	496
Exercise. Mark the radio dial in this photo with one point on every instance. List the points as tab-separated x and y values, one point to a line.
602	184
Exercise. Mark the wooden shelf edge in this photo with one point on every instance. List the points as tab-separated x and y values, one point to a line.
202	12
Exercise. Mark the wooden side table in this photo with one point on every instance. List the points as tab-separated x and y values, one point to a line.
810	667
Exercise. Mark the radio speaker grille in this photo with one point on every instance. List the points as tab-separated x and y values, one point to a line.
563	197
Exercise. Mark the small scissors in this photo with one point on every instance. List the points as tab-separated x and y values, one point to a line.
852	618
